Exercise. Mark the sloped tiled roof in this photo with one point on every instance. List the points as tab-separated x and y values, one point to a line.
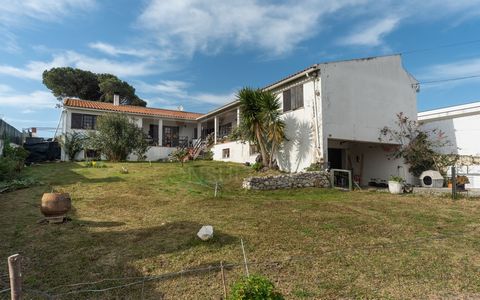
105	106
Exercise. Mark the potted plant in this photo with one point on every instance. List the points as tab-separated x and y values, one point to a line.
395	185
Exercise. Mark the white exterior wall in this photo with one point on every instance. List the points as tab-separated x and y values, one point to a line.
463	133
359	97
297	153
239	152
153	154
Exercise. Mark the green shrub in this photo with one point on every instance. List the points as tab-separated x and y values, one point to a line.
17	184
73	143
254	287
16	154
208	155
94	164
7	168
257	166
397	179
314	167
117	136
180	155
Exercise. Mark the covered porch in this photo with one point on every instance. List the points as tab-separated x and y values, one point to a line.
369	162
221	125
168	133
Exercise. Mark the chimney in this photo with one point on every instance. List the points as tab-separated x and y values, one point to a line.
34	132
116	99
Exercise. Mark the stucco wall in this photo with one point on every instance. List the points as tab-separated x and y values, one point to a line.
359	97
462	132
239	152
297	153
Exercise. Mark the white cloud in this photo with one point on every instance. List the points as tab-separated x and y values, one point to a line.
166	87
16	12
116	51
461	68
372	33
188	26
33	100
34	69
171	93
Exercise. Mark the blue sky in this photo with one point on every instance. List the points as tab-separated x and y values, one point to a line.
197	53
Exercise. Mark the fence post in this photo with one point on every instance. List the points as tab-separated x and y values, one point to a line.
454	182
15	273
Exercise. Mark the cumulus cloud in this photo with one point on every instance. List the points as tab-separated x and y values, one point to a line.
210	25
33	100
34	69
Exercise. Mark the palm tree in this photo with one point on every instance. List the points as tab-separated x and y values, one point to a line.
274	125
252	119
261	122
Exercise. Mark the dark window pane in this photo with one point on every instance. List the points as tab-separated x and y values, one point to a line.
287	100
88	122
76	121
299	96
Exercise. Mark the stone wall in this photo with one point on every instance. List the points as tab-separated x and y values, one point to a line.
288	181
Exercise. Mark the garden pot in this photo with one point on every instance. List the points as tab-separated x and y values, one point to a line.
55	206
395	187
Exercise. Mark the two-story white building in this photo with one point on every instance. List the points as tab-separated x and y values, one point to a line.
333	111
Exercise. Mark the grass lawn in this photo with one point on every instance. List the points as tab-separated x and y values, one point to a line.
312	243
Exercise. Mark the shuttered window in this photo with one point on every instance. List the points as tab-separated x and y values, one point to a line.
293	98
287	101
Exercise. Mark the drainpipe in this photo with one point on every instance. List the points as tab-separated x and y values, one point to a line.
315	117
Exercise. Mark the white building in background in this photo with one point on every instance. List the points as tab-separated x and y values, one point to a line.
334	112
461	125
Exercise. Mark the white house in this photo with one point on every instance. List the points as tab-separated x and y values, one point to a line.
334	112
166	129
461	125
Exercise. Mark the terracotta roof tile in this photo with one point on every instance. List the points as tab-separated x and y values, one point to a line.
105	106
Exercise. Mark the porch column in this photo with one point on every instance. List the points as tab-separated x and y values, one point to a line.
215	129
160	132
140	123
238	116
199	130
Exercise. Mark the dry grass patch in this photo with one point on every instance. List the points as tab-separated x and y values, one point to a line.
312	243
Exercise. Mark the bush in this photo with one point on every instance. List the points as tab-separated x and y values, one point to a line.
179	155
7	168
117	137
254	287
95	164
397	179
314	167
16	154
73	143
257	166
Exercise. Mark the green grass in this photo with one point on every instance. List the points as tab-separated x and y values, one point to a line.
311	243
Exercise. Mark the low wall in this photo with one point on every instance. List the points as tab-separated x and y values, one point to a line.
288	181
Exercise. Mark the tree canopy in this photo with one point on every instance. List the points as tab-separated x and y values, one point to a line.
72	82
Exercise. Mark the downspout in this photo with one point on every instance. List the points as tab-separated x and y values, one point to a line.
317	154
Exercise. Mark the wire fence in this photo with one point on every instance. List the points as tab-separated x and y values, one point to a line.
203	282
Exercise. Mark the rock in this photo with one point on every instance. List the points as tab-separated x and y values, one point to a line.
205	233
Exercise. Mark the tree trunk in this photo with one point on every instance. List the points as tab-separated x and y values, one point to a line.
272	152
263	151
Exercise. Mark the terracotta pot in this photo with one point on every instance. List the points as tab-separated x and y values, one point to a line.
55	204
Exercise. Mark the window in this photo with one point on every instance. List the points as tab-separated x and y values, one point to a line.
293	98
83	121
170	136
253	150
226	153
224	130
